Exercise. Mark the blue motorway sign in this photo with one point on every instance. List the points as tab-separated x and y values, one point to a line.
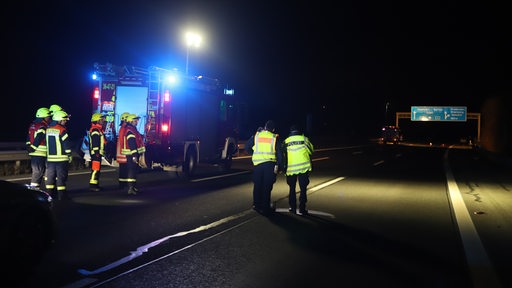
438	113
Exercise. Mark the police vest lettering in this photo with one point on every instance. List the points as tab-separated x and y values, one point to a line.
298	150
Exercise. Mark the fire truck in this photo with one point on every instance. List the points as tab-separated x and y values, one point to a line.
185	120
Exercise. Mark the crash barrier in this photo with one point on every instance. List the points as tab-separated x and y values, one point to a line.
14	159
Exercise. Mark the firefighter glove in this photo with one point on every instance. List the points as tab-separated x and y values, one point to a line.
70	158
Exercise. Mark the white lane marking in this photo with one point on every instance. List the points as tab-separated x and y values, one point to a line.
482	273
172	253
378	163
321	186
143	249
219	176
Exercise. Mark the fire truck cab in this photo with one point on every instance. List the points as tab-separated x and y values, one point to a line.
184	120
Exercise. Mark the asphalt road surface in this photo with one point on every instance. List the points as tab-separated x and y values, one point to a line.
380	216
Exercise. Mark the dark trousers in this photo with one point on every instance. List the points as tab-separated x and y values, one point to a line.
38	164
132	172
56	178
291	180
263	178
123	175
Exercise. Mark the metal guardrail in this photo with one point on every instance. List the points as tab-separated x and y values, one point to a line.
13	156
13	151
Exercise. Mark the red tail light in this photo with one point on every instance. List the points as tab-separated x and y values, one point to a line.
165	127
167	96
96	93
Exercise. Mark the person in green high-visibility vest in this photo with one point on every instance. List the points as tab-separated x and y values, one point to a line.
265	148
298	151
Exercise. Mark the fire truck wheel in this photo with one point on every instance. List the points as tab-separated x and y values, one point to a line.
226	164
189	165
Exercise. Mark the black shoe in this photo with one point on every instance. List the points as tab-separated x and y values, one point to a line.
95	189
303	212
292	210
64	196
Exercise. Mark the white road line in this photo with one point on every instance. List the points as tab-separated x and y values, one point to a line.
143	249
482	272
321	186
219	176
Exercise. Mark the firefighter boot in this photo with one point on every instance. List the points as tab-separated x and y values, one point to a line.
53	193
63	195
132	190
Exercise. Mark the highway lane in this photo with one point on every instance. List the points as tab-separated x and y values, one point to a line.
381	215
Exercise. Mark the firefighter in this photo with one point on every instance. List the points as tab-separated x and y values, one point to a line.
133	148
36	145
58	156
298	151
265	149
97	143
54	108
120	158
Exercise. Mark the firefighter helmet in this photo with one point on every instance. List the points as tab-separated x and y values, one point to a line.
124	115
54	108
60	115
97	117
132	117
43	113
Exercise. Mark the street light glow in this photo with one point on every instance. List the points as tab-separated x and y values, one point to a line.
192	39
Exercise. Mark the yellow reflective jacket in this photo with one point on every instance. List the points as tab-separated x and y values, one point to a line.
264	147
298	152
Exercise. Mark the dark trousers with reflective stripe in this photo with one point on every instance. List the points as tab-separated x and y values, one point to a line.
132	172
263	178
38	164
57	175
94	180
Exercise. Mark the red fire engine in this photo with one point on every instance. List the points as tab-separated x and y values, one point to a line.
185	120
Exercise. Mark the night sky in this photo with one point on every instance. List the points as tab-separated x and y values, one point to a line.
340	62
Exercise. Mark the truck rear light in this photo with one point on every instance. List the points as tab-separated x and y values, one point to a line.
96	94
167	96
165	127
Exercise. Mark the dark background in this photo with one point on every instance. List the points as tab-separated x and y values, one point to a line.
342	63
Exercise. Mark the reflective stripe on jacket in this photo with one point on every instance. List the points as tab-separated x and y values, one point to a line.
96	139
264	147
120	157
36	138
58	144
133	142
299	150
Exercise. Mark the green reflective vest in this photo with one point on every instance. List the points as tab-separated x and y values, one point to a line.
264	147
298	149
